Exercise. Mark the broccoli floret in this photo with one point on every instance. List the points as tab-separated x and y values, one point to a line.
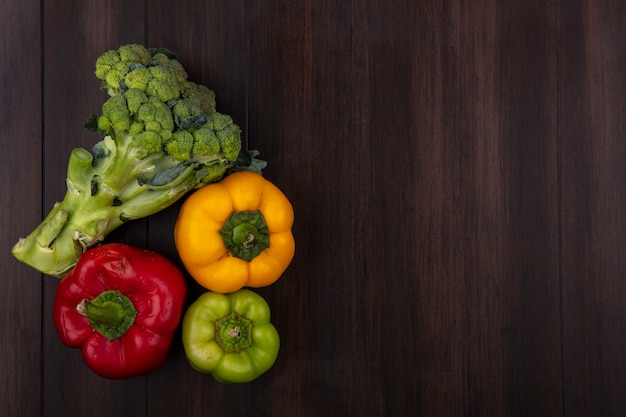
173	65
164	83
134	53
135	98
180	145
147	142
200	95
185	108
228	134
139	78
115	113
156	116
211	173
162	138
110	66
230	142
205	143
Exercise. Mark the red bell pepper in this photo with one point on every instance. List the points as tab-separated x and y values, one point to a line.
121	305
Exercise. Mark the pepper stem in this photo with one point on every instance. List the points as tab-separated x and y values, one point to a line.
245	234
111	313
233	333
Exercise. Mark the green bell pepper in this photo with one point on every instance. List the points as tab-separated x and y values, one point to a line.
230	336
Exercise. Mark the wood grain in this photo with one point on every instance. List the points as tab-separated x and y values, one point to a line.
593	197
21	182
406	336
457	172
300	84
507	217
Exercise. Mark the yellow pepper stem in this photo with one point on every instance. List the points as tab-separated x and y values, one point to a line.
245	234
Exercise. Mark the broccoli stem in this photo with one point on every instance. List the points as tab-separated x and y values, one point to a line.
80	163
73	225
101	195
150	201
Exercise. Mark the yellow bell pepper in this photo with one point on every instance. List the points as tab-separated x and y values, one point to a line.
236	233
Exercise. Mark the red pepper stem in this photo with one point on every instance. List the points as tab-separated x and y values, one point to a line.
111	313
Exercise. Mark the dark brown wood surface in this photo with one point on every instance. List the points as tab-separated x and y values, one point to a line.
458	173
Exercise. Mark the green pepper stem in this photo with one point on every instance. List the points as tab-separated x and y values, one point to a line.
111	313
233	333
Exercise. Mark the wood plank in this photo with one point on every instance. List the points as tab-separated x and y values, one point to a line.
506	209
300	118
406	339
593	197
74	36
20	138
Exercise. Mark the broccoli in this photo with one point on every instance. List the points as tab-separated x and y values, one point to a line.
162	138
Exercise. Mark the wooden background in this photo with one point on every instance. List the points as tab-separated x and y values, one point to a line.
458	174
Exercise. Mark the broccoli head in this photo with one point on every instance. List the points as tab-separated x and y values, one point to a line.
162	138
